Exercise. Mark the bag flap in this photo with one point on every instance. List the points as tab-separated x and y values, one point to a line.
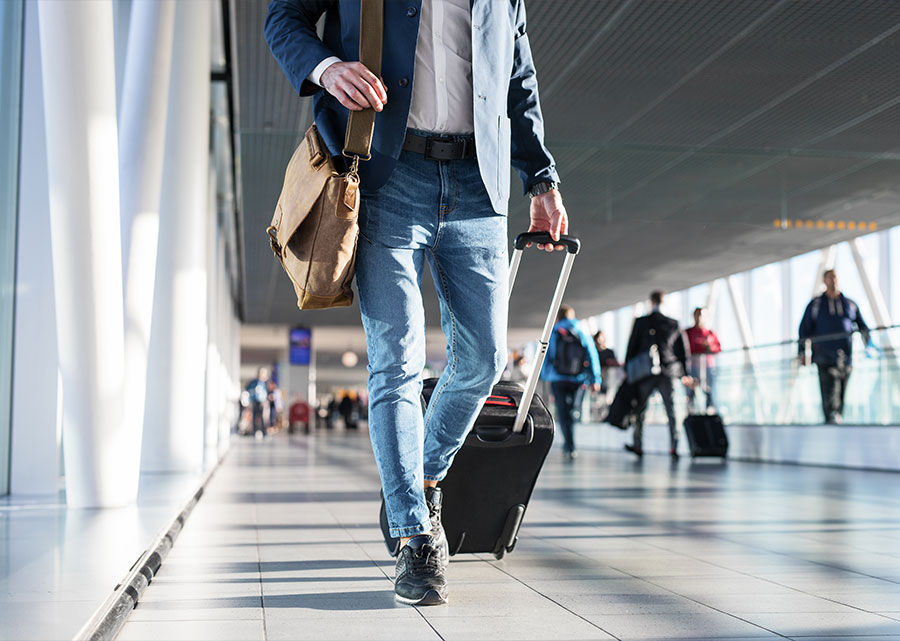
304	180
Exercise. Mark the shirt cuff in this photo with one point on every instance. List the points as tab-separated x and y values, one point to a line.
316	74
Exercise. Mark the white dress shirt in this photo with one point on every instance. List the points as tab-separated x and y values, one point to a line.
442	77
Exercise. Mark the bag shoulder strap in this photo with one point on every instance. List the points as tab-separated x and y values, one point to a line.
361	124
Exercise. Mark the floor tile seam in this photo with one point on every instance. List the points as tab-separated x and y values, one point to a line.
689	598
770	551
262	593
719	610
557	603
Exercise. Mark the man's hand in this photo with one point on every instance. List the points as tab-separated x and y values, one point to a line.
549	214
354	86
689	381
595	388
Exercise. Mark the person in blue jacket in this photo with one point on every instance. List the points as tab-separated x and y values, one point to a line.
828	325
457	104
571	365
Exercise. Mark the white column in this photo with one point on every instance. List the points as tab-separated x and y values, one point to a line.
174	414
35	436
79	75
141	144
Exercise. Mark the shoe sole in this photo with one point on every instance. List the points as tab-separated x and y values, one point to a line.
431	597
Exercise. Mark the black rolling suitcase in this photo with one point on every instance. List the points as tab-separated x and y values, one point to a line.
706	435
488	487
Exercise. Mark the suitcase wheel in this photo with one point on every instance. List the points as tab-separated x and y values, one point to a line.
499	554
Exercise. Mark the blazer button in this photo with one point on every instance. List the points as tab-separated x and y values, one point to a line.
404	82
411	12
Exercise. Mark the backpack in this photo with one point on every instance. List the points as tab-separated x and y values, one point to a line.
571	356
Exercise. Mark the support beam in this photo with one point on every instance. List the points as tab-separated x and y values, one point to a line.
142	136
891	357
747	342
174	414
79	79
712	296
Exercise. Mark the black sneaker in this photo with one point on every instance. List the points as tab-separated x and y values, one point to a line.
434	498
419	577
635	450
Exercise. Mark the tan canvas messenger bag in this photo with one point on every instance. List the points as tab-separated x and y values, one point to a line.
315	226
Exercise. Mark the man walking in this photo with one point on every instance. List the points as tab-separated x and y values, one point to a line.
457	103
571	365
657	339
828	324
258	394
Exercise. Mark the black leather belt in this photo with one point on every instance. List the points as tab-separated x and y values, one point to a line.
437	148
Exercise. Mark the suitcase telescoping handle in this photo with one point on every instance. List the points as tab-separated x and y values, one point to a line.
573	246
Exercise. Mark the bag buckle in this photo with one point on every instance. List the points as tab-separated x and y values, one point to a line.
273	239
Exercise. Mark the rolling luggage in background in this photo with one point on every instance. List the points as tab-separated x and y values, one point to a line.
487	489
706	435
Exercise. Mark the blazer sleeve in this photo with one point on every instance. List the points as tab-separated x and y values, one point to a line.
290	30
530	158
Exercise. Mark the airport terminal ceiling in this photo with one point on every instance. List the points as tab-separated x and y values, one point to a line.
681	129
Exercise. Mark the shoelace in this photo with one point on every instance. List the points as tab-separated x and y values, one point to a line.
425	560
434	513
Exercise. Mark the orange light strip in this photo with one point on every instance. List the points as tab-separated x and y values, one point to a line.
830	225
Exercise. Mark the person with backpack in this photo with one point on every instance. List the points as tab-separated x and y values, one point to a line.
571	365
258	397
827	327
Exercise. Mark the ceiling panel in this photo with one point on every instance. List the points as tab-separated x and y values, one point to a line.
681	129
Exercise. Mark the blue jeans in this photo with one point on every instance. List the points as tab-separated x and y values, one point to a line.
435	212
697	372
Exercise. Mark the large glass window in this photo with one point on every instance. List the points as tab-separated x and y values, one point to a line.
10	86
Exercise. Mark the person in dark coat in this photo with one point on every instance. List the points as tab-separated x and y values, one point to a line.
659	337
827	326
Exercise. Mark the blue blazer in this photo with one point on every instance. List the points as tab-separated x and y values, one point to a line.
509	127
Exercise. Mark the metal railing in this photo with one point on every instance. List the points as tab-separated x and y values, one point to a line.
769	385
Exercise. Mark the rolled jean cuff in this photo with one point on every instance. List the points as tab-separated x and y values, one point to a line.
431	477
412	530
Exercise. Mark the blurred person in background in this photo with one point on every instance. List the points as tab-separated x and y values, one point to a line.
258	392
657	339
349	410
517	372
702	343
570	365
276	405
608	363
826	330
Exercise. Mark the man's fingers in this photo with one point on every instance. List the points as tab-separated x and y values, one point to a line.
370	95
564	222
373	81
357	100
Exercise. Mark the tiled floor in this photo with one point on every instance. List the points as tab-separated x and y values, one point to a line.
57	565
284	545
